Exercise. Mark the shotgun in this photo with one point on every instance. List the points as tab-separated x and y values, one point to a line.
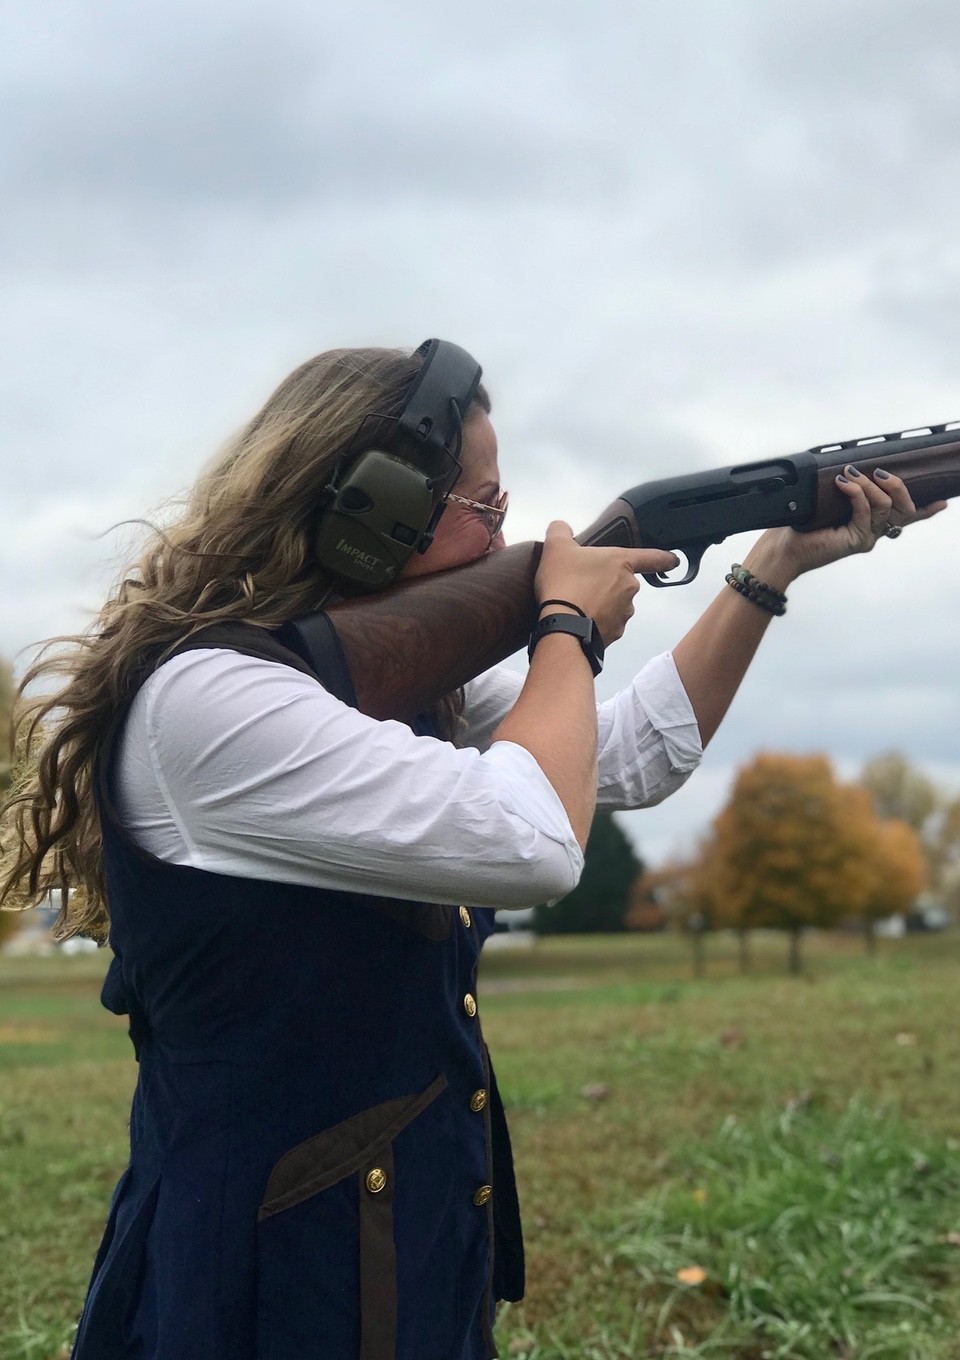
407	646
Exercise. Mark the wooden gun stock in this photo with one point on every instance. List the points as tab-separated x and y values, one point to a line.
410	645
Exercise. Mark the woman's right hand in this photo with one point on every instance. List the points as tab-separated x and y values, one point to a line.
602	581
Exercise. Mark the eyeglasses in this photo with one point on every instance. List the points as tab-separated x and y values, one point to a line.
492	515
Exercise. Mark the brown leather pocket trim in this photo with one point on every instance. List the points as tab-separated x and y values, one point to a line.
322	1161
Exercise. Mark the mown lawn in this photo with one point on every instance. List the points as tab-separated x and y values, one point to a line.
736	1166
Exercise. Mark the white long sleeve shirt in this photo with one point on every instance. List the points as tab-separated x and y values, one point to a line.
246	767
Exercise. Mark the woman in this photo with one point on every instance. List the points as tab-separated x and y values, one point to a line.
319	1162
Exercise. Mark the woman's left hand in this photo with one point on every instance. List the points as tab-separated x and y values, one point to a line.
881	507
712	658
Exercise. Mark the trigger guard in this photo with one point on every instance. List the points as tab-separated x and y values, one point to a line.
662	581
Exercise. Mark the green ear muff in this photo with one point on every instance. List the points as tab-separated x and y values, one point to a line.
375	520
385	503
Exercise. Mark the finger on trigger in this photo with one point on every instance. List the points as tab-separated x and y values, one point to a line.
653	559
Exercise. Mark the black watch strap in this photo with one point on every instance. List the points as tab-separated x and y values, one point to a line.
582	628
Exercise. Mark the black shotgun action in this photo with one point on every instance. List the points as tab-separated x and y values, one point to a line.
687	514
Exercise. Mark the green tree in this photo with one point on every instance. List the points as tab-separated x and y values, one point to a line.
899	875
599	901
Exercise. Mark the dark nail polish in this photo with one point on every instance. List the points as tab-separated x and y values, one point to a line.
879	472
841	478
851	471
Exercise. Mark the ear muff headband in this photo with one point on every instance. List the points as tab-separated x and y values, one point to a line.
388	500
431	421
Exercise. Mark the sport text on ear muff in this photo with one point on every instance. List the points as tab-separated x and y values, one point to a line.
385	502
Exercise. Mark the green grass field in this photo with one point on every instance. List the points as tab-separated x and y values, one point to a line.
736	1166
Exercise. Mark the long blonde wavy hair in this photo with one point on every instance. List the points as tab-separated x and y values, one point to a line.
241	549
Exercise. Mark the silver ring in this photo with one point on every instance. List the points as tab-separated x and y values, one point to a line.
893	531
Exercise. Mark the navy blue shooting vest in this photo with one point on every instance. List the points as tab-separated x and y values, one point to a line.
319	1162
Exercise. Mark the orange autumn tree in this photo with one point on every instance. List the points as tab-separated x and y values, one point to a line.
893	864
900	790
785	853
900	872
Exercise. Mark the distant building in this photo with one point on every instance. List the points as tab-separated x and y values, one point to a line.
514	919
35	935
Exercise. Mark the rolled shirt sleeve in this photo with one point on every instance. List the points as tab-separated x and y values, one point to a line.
242	766
648	738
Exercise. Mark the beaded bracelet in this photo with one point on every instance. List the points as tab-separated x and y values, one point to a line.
747	579
757	592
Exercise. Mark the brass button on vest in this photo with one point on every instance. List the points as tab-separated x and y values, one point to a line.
478	1100
469	1005
376	1180
481	1196
465	917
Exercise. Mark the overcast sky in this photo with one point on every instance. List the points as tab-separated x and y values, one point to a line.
674	235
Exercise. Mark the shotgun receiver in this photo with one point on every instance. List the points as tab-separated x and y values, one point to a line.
407	646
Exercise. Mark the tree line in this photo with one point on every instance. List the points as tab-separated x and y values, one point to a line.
794	848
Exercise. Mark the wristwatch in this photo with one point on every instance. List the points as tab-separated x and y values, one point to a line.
584	629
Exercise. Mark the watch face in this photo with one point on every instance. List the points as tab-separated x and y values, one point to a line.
569	623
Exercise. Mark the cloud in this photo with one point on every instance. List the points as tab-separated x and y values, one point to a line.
676	237
226	109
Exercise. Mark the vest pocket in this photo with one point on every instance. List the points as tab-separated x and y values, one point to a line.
326	1256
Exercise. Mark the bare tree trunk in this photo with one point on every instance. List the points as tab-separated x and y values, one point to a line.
743	950
796	966
696	939
870	934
